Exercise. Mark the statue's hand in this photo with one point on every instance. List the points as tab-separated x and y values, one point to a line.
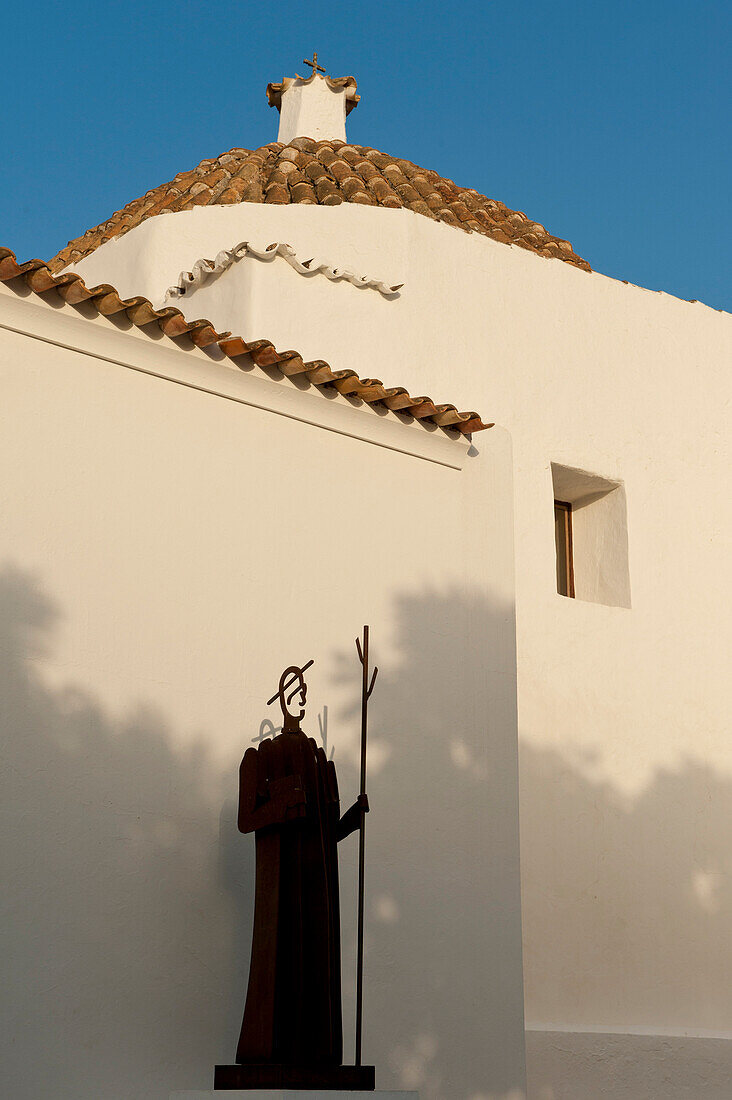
294	811
287	797
353	818
289	788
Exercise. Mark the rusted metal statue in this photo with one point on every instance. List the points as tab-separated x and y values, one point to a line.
291	1035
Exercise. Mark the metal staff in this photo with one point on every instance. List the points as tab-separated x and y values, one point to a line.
366	689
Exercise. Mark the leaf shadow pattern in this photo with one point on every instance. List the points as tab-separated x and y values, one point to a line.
117	969
443	1005
127	905
627	899
127	890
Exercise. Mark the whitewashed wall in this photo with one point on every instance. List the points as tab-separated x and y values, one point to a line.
164	551
624	712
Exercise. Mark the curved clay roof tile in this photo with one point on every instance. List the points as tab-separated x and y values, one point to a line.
325	173
141	312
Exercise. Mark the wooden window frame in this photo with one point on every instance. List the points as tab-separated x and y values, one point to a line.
565	507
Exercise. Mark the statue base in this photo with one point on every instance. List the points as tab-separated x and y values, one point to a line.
262	1076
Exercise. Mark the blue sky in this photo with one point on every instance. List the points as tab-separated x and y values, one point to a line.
607	123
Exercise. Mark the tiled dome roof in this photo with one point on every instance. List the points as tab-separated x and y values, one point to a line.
325	173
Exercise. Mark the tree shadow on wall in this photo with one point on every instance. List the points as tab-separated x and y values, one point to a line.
114	959
627	899
128	891
443	1000
127	917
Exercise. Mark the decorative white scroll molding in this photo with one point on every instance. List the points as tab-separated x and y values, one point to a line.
204	269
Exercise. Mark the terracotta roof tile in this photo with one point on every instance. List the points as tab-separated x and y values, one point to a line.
39	277
334	172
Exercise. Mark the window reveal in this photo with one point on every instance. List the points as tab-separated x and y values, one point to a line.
563	540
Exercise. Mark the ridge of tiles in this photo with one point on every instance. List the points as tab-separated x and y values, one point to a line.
325	173
104	298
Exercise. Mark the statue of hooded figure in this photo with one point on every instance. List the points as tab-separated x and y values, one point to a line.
288	796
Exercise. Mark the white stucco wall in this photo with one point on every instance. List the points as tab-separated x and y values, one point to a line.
624	711
173	532
579	1066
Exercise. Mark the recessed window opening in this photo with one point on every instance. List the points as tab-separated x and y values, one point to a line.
591	537
563	541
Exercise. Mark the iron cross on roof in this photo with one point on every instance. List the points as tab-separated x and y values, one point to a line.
314	65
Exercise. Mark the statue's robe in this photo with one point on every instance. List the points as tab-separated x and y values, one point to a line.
288	794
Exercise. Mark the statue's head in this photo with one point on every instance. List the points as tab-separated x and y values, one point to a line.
292	694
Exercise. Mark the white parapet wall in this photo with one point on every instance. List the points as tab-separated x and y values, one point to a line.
174	532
